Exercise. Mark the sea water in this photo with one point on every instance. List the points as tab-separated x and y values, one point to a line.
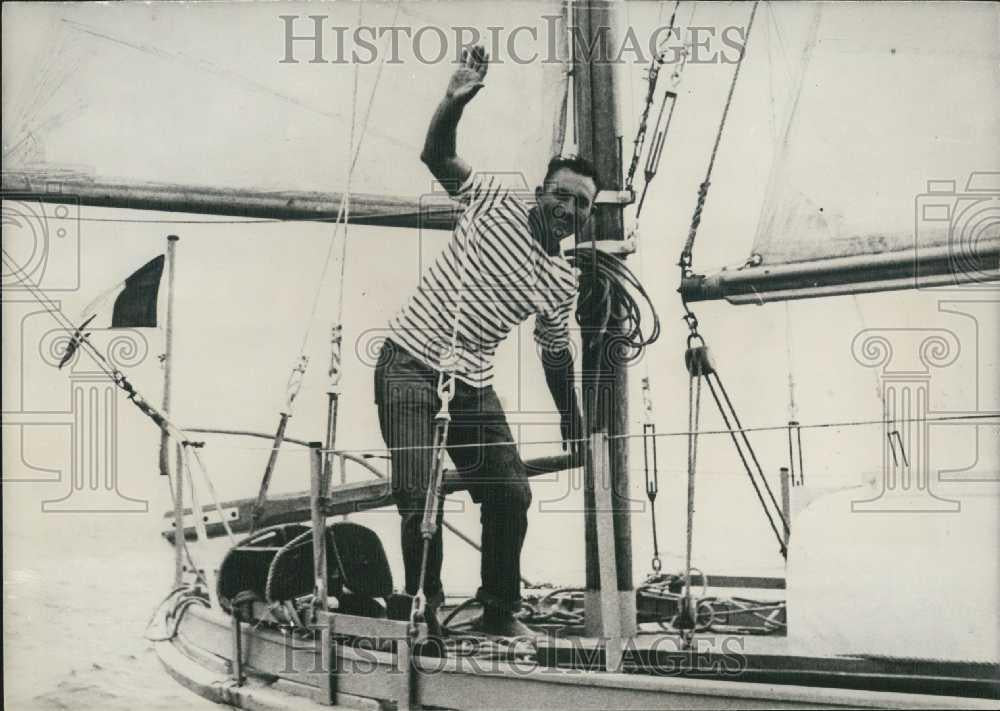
74	618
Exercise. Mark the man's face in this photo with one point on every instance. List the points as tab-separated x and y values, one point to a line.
566	201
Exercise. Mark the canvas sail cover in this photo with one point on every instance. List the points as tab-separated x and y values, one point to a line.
207	95
887	169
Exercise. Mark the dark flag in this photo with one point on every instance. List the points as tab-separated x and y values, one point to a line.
134	305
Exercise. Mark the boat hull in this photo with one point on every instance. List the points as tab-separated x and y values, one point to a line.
284	672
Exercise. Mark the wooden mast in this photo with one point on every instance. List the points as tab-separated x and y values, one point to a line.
604	380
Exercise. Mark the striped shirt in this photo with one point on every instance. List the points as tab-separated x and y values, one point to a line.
497	275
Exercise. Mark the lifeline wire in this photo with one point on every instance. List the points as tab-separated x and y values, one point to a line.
676	433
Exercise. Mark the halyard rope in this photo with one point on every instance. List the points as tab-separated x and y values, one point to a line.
685	260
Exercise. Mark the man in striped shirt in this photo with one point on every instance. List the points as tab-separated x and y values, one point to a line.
502	265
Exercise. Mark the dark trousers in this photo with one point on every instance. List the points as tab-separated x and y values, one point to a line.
407	400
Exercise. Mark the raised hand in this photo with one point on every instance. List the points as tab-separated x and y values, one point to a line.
468	78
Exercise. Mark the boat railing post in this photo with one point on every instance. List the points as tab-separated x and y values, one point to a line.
316	501
407	680
237	632
321	618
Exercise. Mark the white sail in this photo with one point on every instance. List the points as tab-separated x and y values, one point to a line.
886	175
184	94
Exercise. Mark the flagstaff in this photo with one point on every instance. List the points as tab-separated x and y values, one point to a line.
168	352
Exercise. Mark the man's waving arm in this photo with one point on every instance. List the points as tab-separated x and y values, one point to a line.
439	153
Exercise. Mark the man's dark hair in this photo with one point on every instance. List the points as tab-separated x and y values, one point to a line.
578	165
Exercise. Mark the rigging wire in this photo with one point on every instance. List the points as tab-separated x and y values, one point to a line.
570	10
686	254
340	226
746	466
558	144
652	479
297	375
659	136
633	328
211	488
337	331
688	616
448	364
793	419
675	433
179	536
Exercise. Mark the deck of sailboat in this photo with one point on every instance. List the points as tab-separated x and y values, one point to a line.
767	658
749	672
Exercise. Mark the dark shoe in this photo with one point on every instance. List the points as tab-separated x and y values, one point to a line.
500	624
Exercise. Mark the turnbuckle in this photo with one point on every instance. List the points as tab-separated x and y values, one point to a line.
435	488
417	613
652	475
295	379
652	482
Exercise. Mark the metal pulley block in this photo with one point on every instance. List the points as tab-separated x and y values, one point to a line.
699	361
